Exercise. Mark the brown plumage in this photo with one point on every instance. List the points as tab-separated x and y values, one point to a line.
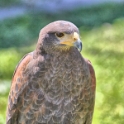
53	84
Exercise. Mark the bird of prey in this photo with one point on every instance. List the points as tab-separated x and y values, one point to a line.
53	84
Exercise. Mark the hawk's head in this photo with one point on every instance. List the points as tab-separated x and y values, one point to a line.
60	36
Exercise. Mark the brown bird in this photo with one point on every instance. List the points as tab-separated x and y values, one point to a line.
53	84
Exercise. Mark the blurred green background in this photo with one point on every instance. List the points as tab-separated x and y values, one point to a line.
102	32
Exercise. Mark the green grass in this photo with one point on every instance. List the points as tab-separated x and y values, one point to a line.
103	43
4	89
104	46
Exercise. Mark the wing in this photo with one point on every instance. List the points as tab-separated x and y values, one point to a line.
92	90
17	87
92	72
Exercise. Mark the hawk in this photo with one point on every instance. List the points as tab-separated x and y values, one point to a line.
53	84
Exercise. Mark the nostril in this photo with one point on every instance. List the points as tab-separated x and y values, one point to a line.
75	38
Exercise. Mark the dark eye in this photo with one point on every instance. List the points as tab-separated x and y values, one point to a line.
59	34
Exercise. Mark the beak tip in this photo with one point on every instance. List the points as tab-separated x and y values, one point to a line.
78	45
80	48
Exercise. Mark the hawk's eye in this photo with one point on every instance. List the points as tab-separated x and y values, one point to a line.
59	34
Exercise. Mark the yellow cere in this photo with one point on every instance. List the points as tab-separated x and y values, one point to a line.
76	36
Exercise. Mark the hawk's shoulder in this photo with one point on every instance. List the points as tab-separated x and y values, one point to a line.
92	73
17	87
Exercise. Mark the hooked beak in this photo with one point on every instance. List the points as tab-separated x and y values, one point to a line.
78	44
74	40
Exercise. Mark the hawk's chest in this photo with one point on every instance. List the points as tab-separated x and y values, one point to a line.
64	72
58	93
64	79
